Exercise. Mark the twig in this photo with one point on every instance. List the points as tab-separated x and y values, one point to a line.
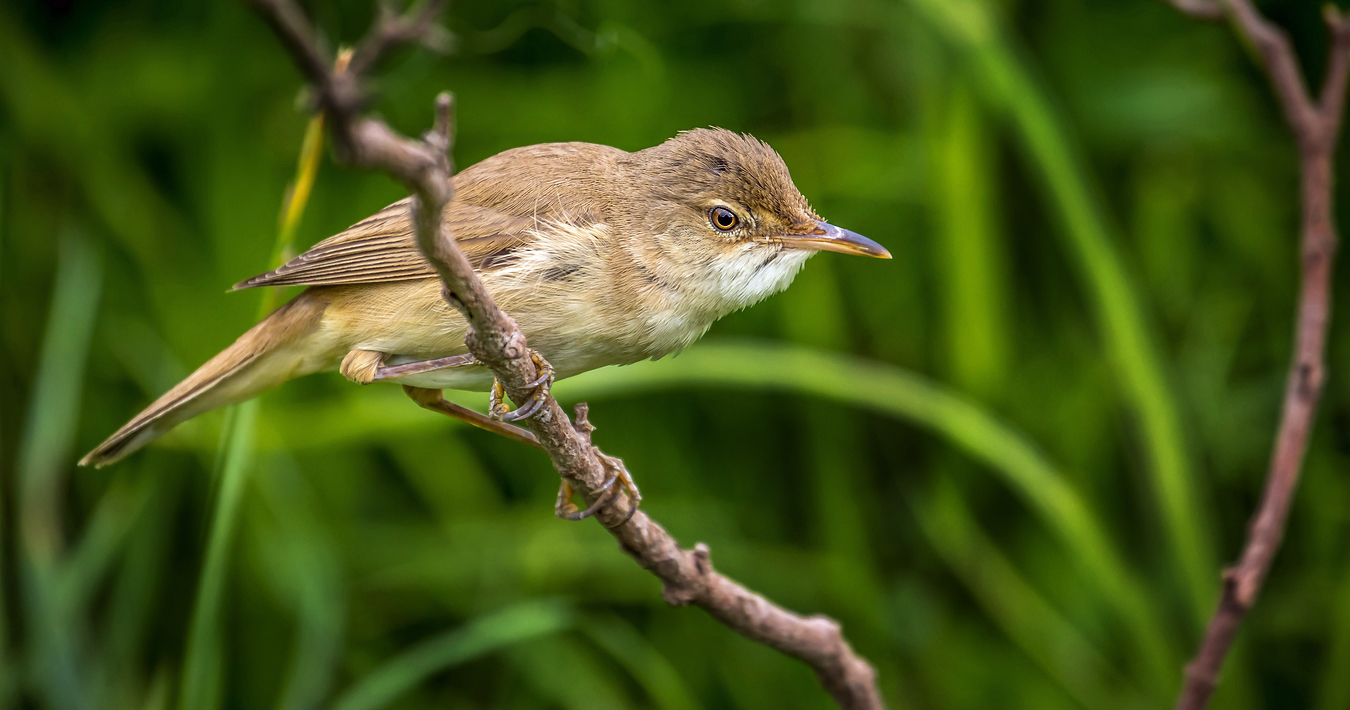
423	166
1316	127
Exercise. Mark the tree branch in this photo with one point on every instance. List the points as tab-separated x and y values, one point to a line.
424	168
1317	128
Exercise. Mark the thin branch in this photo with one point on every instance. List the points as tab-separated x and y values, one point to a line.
424	168
1317	128
295	32
1280	63
392	30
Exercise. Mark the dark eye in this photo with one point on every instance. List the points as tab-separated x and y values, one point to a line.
722	219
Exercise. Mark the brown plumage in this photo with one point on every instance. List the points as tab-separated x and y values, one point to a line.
602	256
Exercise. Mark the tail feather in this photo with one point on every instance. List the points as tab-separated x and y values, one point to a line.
270	353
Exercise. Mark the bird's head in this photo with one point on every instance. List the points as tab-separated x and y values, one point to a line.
727	220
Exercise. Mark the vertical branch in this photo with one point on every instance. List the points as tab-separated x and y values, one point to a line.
1316	127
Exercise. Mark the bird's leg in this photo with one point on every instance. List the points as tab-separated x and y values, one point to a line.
532	406
389	372
436	402
619	479
366	366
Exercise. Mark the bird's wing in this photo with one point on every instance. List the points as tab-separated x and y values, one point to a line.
382	247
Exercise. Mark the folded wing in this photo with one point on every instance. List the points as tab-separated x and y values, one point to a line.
382	248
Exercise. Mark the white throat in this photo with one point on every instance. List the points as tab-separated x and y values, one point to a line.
750	275
687	306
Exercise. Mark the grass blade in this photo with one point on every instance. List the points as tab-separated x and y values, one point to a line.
9	682
971	258
567	674
814	314
44	456
1334	690
477	638
644	662
1012	603
105	536
134	601
972	28
306	558
202	671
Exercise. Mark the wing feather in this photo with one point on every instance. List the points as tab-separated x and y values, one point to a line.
382	248
499	204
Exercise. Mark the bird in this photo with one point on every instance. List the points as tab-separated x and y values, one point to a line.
602	256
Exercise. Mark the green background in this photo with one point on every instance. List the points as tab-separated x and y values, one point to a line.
1010	461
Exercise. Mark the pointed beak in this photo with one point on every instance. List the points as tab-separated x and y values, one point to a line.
827	237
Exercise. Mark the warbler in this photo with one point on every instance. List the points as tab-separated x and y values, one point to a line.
602	256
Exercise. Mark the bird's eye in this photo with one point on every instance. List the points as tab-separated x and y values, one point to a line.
723	219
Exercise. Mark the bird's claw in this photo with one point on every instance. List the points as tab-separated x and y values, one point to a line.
619	479
567	510
534	405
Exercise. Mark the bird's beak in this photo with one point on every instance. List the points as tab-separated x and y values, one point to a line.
827	237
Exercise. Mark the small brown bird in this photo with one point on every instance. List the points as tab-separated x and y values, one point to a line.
603	257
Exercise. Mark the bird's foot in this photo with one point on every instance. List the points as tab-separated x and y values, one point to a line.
534	405
619	480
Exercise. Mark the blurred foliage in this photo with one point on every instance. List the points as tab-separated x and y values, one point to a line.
1010	461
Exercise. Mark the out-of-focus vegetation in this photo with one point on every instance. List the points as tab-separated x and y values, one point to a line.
1010	461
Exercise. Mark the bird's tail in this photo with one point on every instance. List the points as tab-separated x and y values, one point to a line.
279	348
